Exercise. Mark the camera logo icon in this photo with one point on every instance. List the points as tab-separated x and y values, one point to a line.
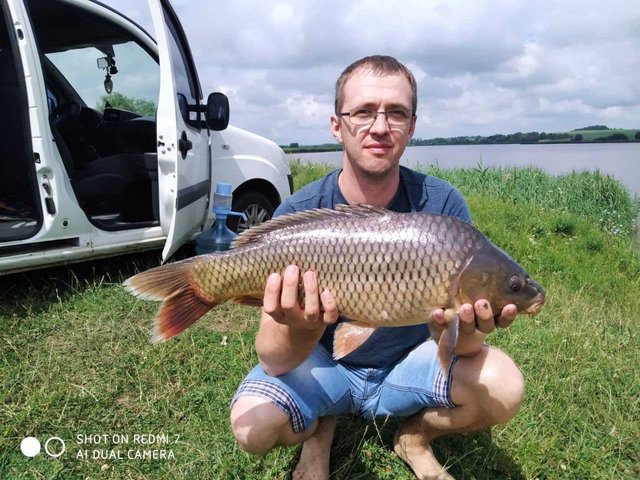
54	446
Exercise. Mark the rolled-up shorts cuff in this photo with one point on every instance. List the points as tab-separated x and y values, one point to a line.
442	385
315	388
275	394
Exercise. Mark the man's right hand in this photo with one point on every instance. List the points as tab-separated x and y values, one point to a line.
281	301
289	330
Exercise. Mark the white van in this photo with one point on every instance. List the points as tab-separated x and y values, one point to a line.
105	144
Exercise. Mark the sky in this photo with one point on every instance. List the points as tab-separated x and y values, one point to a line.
483	67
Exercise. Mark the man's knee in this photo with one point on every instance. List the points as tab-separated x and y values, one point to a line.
492	379
257	424
505	384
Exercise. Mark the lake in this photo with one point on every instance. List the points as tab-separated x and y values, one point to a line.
621	160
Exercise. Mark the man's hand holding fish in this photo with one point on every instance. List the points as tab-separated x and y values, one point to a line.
476	322
294	329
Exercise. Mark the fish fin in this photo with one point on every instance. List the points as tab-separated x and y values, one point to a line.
159	282
254	234
181	304
248	300
448	340
178	311
348	336
360	210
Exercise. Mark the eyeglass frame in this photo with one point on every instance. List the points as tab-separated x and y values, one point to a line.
375	117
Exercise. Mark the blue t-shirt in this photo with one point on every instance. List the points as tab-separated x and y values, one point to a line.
417	193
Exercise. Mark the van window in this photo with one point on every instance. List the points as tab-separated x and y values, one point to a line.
187	88
135	85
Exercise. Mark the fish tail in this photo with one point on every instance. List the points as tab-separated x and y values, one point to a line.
181	303
177	312
448	341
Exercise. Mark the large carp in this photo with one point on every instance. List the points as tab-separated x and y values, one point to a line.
383	268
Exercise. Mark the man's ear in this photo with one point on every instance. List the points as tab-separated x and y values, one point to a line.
412	130
335	128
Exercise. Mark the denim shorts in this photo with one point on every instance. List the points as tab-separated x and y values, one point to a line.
321	386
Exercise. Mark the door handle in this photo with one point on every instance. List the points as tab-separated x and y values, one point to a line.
184	144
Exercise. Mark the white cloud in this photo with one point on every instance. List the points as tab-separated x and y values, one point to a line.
483	67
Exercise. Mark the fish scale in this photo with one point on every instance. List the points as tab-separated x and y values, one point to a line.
373	279
383	269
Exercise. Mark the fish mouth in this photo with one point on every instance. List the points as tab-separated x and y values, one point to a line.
533	309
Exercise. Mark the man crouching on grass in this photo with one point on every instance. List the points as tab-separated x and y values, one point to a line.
295	393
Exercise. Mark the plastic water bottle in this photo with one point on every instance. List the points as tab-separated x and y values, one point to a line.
218	237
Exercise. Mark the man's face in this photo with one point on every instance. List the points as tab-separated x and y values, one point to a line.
374	150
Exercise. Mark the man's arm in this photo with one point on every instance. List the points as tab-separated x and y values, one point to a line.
289	331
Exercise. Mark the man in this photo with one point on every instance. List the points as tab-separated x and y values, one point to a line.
296	391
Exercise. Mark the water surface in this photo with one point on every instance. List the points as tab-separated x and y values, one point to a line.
621	160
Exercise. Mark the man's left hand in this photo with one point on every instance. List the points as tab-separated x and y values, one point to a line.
476	321
480	316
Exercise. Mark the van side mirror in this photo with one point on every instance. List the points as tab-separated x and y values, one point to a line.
217	114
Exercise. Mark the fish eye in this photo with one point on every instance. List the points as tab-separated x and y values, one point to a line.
515	283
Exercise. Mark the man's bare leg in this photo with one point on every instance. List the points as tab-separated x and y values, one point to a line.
259	426
316	450
488	389
412	443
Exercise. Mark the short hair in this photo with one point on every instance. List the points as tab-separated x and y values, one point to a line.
379	65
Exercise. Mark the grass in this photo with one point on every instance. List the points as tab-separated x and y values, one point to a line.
75	358
593	195
305	172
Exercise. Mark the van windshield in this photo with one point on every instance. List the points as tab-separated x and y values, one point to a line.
135	85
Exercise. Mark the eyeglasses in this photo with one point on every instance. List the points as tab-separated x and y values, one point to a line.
366	116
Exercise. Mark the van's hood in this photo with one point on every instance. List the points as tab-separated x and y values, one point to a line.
244	143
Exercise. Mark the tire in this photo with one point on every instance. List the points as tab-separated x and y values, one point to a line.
255	206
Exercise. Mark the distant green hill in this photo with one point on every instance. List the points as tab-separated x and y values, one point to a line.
591	134
592	127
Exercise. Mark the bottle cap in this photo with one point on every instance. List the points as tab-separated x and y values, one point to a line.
223	188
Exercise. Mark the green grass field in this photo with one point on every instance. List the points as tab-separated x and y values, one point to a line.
76	361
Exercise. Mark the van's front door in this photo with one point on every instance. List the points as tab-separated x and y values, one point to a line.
184	172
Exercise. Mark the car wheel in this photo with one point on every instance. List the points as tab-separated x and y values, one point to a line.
255	206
